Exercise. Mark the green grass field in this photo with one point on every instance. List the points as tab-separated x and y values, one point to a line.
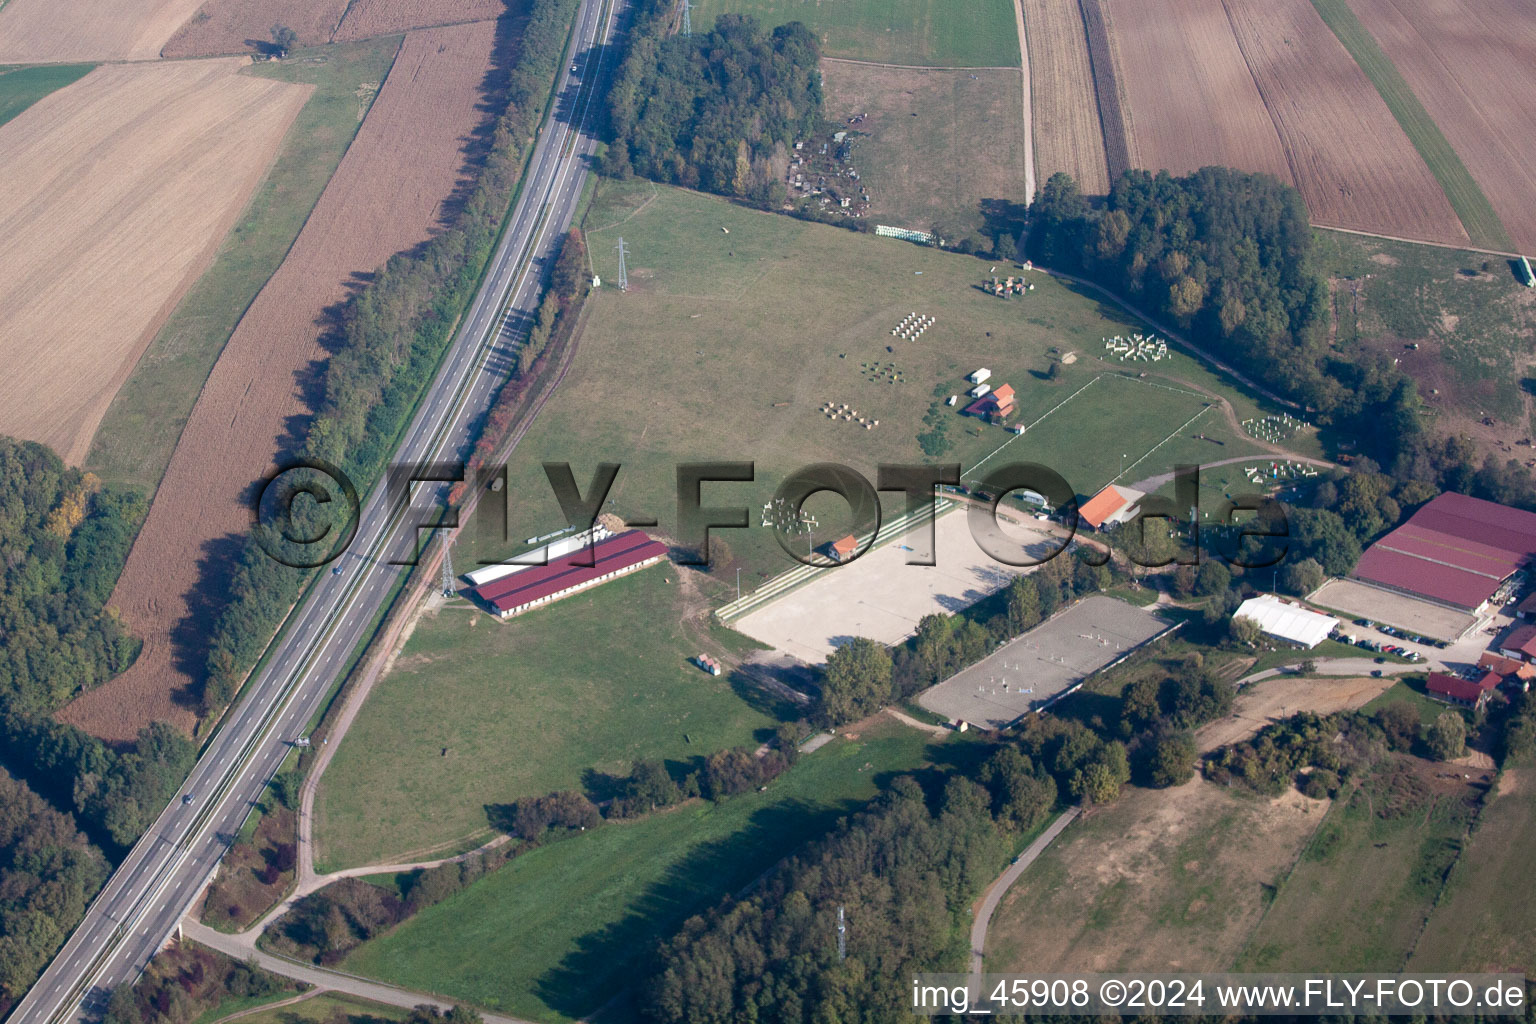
1364	886
144	421
917	125
739	325
524	708
20	87
1487	920
1467	199
1465	310
324	1008
558	932
979	33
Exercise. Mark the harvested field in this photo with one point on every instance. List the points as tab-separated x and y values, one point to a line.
1350	159
1068	135
1106	88
1163	879
1473	67
1190	101
115	192
46	31
243	26
366	18
916	122
388	195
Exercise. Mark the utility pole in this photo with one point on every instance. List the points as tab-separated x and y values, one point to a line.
623	271
738	583
448	574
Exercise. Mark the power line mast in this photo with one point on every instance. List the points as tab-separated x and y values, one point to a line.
842	934
448	587
623	271
687	21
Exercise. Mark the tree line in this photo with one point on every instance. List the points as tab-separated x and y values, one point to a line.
391	338
64	795
717	110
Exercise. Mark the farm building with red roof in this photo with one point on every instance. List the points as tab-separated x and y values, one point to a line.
1112	505
1455	551
1465	692
576	571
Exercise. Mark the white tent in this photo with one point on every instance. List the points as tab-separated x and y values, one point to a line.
1285	621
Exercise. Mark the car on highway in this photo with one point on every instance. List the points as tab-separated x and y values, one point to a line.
186	798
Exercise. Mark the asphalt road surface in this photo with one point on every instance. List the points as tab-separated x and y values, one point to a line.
162	875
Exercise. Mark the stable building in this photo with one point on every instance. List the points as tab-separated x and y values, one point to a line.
1288	622
570	573
1466	693
1458	552
1111	507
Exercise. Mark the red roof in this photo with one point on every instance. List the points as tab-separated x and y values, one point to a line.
1455	549
1098	509
1521	638
846	546
1491	662
611	555
1458	688
1003	394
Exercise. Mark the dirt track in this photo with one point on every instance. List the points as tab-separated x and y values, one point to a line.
1269	700
115	193
386	196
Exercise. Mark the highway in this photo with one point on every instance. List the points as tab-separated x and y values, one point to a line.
163	873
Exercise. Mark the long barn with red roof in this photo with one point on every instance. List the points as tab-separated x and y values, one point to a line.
1456	551
579	570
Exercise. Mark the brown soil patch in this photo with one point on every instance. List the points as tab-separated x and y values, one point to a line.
242	26
1169	879
388	194
40	31
115	193
1473	66
1269	700
1190	100
1351	161
367	18
1068	135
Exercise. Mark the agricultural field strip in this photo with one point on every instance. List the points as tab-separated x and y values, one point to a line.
557	162
120	187
1472	207
407	156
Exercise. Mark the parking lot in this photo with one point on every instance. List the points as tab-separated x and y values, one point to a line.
1032	670
1360	600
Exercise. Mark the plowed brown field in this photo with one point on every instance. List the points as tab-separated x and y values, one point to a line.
1068	136
1351	161
1190	101
1473	66
387	196
40	31
114	194
237	26
367	18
